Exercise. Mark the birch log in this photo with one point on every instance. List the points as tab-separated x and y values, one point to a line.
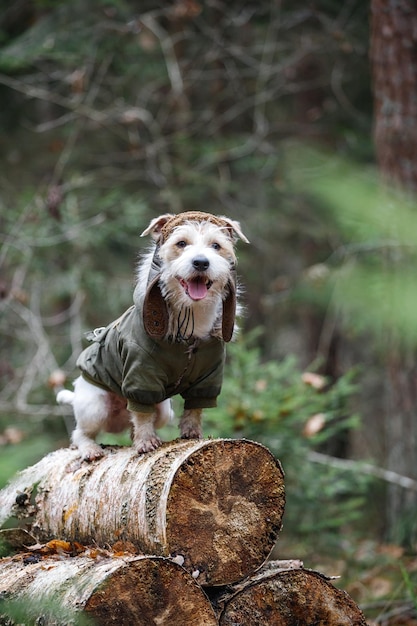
280	596
216	504
144	591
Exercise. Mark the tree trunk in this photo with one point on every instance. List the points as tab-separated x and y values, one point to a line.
394	71
114	590
217	504
285	594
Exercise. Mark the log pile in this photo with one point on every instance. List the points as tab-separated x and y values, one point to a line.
178	536
217	505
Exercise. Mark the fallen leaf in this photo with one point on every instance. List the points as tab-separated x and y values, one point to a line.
314	380
314	425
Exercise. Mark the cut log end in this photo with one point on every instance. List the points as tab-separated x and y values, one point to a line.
122	591
288	598
150	593
224	510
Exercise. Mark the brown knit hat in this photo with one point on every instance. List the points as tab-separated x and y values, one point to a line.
190	216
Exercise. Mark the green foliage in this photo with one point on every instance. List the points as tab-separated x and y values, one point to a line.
370	275
14	458
32	612
366	211
409	585
5	548
52	39
270	398
54	265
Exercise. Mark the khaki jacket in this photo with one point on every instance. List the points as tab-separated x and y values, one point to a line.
122	358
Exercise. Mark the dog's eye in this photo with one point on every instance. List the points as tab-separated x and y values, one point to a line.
215	245
181	244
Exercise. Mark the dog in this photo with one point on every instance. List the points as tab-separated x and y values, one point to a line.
171	341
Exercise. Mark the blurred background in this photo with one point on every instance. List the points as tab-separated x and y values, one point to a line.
299	120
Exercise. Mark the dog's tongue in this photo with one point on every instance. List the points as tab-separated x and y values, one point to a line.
197	289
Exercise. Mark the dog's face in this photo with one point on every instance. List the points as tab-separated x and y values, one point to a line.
188	281
197	257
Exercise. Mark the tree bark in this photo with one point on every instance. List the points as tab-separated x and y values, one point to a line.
140	590
285	594
216	504
394	67
394	73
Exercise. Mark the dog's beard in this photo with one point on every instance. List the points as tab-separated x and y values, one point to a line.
192	318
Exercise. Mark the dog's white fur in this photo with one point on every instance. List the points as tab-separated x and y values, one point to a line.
98	410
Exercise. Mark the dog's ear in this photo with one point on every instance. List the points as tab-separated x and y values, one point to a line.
229	310
156	225
155	312
234	228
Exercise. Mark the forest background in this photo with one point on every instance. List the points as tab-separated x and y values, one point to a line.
295	118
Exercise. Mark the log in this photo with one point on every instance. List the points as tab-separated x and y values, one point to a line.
283	595
141	590
217	505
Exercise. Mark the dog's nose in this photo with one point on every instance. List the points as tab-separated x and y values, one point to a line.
200	263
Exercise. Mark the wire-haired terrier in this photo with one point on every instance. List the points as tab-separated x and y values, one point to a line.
171	341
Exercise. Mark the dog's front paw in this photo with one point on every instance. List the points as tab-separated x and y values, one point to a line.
191	433
190	424
190	429
92	453
147	445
